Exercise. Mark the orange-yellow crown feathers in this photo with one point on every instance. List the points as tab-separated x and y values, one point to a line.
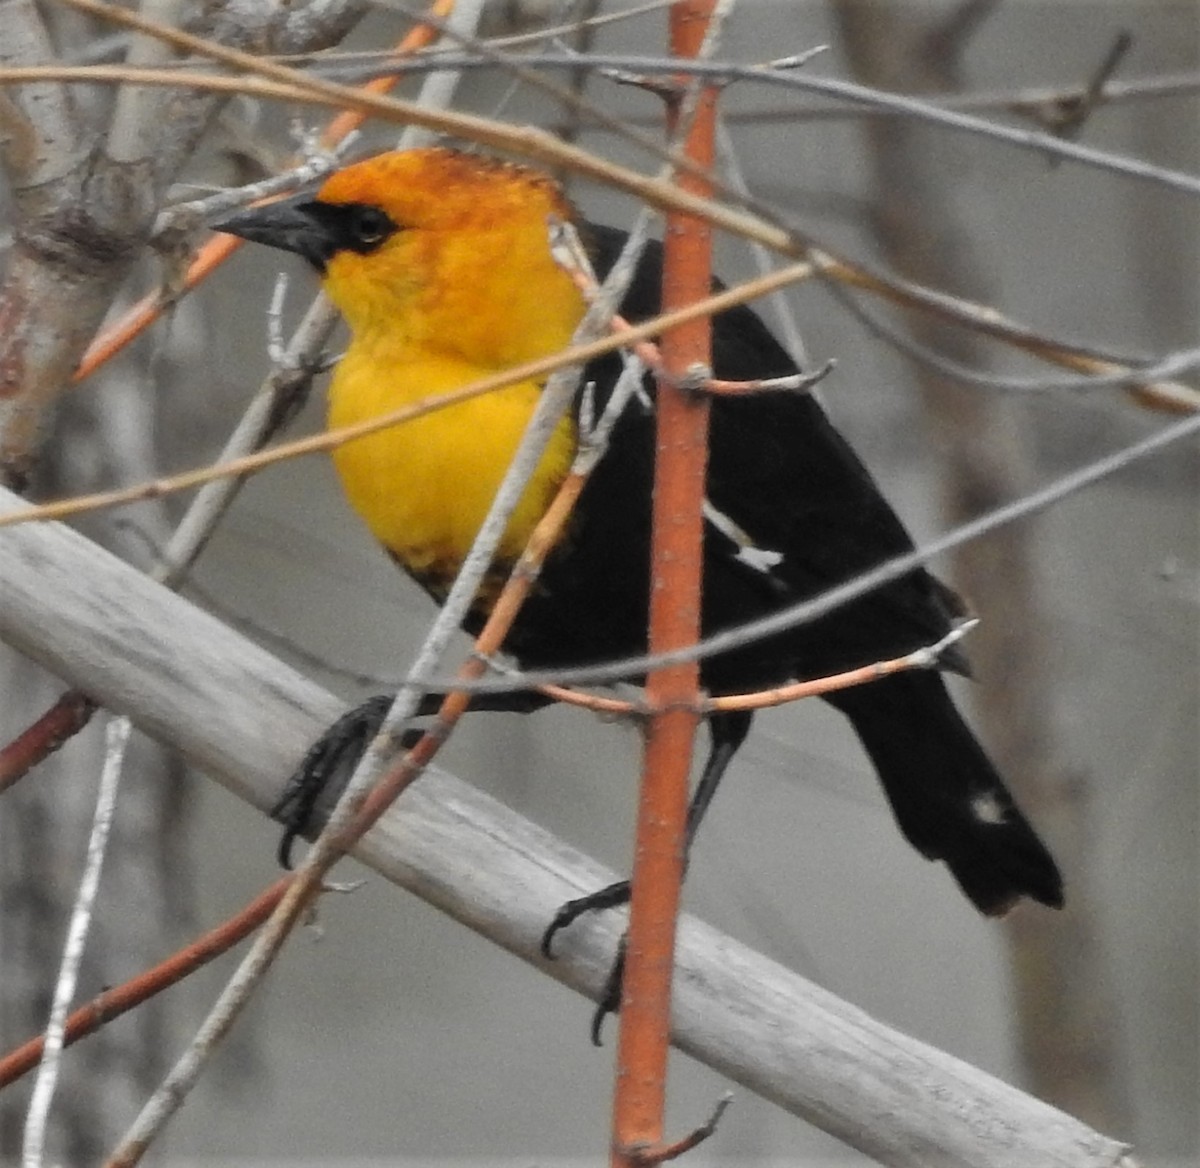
440	188
466	271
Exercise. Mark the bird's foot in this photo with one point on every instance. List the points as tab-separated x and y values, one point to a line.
613	896
313	789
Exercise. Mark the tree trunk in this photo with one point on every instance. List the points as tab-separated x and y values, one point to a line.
1068	1031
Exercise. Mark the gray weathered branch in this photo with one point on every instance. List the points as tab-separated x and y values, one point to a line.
245	718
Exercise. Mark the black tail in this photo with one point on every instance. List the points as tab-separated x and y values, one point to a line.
947	797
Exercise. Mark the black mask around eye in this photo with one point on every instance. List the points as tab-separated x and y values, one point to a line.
313	229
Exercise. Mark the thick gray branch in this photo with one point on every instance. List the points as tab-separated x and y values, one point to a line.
39	131
245	718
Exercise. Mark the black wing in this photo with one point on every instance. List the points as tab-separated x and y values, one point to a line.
779	474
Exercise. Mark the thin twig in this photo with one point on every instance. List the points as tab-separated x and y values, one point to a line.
927	657
649	354
1107	376
57	726
646	1157
116	735
438	88
195	212
939	111
112	1003
1029	101
793	341
295	86
1066	119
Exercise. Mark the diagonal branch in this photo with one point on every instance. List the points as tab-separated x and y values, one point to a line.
1163	395
243	717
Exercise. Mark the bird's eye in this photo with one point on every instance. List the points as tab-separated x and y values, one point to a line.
371	225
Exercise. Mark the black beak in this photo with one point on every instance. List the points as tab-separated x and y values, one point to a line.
294	224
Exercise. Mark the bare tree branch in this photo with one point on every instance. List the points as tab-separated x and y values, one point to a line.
244	718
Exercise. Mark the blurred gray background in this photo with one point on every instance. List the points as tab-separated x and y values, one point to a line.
396	1034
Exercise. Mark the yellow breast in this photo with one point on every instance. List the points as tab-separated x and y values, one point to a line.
424	487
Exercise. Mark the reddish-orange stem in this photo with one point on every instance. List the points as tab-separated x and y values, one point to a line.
56	726
757	700
681	457
137	319
112	1003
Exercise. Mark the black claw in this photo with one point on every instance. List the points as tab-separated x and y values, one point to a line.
565	915
728	731
601	1012
610	999
284	854
613	896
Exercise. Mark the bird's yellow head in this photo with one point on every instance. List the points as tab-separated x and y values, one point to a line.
434	249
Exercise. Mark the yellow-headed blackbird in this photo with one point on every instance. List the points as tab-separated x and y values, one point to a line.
439	260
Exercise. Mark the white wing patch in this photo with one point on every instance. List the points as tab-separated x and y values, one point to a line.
987	809
748	552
